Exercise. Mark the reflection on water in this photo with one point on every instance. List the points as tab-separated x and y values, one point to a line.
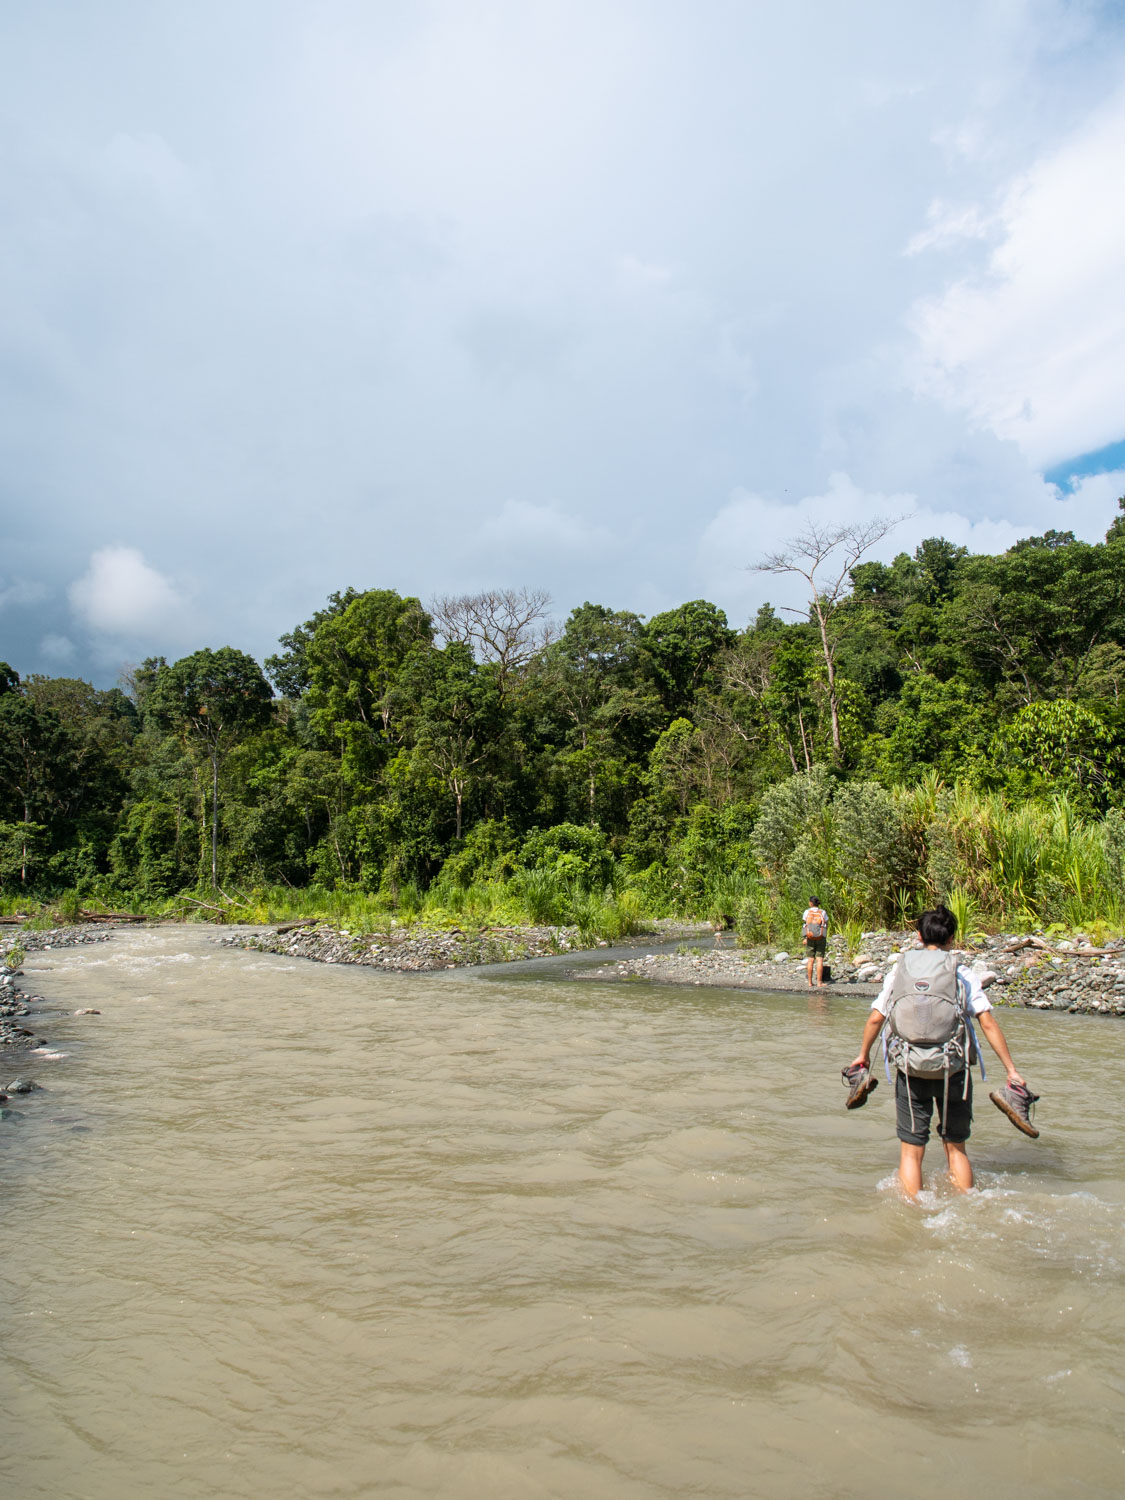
279	1229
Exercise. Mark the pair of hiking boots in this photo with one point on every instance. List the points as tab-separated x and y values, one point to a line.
1013	1099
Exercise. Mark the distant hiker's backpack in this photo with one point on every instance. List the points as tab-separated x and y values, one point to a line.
816	923
929	1032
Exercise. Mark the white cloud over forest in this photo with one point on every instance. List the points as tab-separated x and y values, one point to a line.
121	595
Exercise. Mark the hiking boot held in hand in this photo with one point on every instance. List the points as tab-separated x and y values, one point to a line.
861	1082
1015	1100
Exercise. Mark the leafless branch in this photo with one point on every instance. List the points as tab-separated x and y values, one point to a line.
807	552
506	626
839	548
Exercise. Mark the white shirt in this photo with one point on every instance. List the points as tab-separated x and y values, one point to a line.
977	1001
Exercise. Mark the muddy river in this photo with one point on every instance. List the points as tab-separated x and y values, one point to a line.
287	1230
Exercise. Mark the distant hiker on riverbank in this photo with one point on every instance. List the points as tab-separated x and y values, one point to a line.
926	1010
814	930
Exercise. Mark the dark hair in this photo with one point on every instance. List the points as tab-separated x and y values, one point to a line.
815	902
937	926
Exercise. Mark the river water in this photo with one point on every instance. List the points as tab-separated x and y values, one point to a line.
280	1229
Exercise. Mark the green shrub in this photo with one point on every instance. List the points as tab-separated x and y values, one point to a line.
572	853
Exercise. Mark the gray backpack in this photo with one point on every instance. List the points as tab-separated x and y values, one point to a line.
928	1031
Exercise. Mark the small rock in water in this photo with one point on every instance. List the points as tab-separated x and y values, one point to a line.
22	1086
88	1011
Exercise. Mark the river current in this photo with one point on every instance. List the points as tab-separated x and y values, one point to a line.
288	1230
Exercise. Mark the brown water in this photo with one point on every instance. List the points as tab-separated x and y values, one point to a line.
283	1230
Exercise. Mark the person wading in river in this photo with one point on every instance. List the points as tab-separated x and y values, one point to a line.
927	1005
814	930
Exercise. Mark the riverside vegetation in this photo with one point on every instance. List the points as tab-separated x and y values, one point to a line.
947	726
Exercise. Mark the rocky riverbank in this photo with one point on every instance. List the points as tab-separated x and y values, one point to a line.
415	949
1017	969
411	949
13	1007
15	1002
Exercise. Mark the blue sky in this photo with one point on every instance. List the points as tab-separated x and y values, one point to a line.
1070	473
603	298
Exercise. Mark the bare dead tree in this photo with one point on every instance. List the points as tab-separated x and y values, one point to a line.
824	557
506	626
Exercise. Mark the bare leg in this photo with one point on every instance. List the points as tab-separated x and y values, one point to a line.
808	970
960	1167
910	1168
819	972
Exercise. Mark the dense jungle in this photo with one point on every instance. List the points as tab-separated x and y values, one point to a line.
946	725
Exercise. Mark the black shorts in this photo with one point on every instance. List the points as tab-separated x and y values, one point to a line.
923	1094
816	947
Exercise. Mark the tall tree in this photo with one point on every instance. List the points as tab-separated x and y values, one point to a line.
288	669
38	776
592	681
215	699
458	715
354	660
824	557
681	646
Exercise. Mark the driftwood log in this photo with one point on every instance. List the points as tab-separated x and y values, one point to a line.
1042	947
293	926
112	916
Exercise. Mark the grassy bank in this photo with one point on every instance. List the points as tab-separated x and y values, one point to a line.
531	899
874	857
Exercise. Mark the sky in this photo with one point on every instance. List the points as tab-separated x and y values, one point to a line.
607	297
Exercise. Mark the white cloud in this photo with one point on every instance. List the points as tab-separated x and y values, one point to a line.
58	649
337	296
949	224
121	595
1032	350
1091	506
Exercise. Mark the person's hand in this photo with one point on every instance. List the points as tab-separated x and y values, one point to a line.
860	1062
1014	1077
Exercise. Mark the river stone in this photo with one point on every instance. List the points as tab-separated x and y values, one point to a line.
22	1086
781	958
